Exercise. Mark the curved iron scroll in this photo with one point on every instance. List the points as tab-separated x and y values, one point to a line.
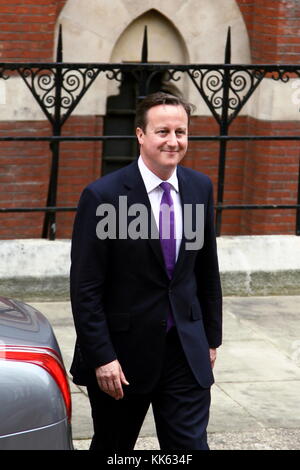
71	82
213	82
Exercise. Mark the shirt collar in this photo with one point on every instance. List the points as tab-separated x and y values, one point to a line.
152	181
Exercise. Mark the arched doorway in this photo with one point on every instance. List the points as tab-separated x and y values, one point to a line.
161	43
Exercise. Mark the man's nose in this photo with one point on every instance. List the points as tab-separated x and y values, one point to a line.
172	139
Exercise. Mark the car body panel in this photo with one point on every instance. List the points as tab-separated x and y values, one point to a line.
22	324
30	398
32	403
53	437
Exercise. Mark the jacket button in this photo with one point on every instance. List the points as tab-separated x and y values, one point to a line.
163	322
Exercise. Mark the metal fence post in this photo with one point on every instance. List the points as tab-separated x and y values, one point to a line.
223	131
49	227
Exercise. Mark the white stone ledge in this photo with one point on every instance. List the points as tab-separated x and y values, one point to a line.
44	258
259	253
34	258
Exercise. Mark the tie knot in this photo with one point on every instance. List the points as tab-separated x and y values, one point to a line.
166	187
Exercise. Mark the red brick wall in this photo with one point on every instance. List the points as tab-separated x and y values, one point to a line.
27	29
79	165
204	156
274	30
25	170
257	172
271	175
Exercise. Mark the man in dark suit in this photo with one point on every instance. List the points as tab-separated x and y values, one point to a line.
146	298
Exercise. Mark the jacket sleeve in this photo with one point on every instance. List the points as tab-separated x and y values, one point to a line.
89	265
208	278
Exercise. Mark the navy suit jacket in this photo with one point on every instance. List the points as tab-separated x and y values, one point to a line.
120	290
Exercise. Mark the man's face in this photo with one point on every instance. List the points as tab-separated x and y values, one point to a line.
164	142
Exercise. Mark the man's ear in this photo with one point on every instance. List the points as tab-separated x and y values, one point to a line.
140	135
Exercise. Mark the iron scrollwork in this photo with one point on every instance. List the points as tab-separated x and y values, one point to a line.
41	82
167	76
284	75
75	83
209	83
3	73
172	74
114	74
242	85
44	83
229	88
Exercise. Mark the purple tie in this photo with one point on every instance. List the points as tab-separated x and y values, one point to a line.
167	235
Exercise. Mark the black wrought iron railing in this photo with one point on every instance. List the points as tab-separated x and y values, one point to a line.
58	88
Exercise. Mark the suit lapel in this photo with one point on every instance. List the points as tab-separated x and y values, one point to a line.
137	194
187	198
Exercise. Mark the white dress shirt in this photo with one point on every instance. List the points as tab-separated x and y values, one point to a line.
155	193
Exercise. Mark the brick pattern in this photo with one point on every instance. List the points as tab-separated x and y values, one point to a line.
27	29
274	30
79	165
257	172
204	156
271	177
25	170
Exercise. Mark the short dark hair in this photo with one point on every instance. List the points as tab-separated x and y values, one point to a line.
156	99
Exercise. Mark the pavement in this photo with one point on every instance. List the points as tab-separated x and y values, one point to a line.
256	395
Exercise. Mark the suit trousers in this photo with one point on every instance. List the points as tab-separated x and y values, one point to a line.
180	408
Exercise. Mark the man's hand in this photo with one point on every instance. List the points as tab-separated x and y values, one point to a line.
110	378
213	356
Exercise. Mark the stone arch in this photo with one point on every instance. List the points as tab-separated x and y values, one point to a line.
91	31
164	40
165	44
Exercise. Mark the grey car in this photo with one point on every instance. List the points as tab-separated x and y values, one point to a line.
35	400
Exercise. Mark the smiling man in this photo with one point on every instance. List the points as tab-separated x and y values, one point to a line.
148	311
163	138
